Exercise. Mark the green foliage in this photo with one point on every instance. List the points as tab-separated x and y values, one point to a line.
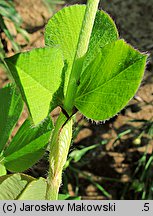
7	11
38	80
64	28
10	110
12	187
22	187
110	81
2	53
73	169
63	196
111	73
141	184
67	197
35	190
77	154
83	67
28	145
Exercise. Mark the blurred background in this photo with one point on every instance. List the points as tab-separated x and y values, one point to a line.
111	160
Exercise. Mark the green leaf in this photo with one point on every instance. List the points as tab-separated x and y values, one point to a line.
78	154
67	197
38	75
63	196
36	190
10	110
64	28
25	177
28	155
7	10
8	34
11	187
23	32
74	198
22	187
110	81
28	145
28	133
2	53
104	32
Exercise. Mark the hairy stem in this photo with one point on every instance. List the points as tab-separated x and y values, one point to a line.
59	146
61	136
82	48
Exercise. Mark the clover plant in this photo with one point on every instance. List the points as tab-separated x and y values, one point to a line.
84	67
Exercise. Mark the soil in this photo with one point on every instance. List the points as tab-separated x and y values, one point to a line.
111	165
